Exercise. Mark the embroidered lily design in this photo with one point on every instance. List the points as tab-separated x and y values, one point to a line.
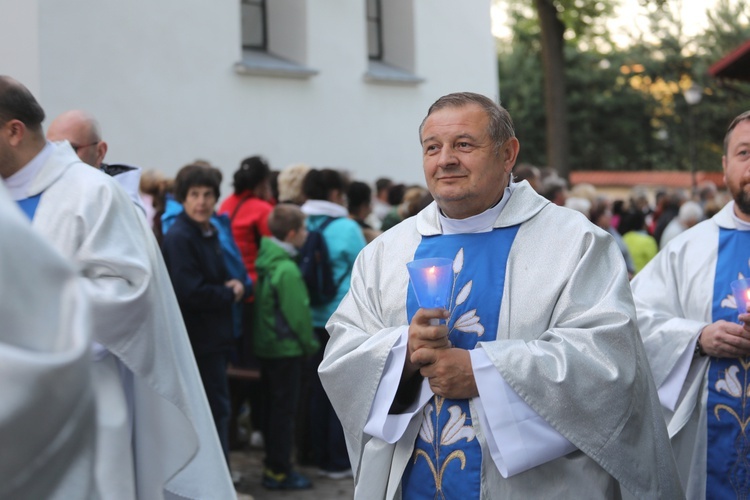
454	430
456	427
426	431
737	387
468	322
731	383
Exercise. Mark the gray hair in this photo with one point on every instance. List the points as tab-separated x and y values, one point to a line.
690	211
500	126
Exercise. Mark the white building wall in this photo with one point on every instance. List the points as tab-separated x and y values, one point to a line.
159	76
19	42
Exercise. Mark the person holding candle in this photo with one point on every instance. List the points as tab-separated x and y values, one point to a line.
533	383
696	338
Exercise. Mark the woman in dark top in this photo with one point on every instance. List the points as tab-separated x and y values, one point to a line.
203	286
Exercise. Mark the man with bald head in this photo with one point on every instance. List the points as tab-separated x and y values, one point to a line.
82	131
155	433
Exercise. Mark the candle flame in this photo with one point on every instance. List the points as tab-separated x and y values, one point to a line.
747	294
433	270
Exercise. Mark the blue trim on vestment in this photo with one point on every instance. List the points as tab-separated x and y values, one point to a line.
447	459
29	205
728	450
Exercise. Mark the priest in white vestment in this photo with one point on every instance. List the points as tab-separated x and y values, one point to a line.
47	422
155	434
532	382
697	345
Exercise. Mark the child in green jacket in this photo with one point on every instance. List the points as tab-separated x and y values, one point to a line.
283	336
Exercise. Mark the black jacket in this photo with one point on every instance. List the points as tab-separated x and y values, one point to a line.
196	268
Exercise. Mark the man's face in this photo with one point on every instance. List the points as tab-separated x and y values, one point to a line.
461	168
78	133
299	237
199	204
737	168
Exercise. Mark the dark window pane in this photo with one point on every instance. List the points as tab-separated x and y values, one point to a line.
253	24
373	41
372	8
374	30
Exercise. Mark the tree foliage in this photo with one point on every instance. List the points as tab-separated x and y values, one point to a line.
626	109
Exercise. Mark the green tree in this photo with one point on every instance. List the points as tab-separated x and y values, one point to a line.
558	20
624	106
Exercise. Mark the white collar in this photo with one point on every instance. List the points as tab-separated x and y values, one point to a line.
480	223
288	247
18	183
323	207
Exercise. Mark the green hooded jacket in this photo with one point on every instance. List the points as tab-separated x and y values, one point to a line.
282	321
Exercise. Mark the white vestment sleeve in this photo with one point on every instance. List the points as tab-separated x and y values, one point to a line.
669	391
381	424
518	438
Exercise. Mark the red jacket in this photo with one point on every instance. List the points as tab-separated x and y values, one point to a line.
249	225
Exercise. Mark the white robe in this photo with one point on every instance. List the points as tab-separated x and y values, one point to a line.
567	345
87	216
47	427
673	295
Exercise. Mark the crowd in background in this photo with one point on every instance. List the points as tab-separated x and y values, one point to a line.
270	324
643	223
287	408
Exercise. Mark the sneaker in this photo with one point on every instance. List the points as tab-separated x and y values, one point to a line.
336	474
291	481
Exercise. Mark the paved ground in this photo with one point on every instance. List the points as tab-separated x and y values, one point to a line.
250	464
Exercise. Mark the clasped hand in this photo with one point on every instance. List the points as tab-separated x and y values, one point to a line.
723	339
430	352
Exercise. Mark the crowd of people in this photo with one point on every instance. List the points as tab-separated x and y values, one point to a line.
587	348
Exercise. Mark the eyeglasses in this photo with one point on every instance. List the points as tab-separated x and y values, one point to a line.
77	147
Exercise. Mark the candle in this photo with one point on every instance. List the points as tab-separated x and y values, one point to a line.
432	281
741	292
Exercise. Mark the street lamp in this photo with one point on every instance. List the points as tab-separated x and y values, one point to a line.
693	96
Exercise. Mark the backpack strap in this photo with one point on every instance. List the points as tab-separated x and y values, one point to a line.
280	323
320	229
325	223
256	231
237	208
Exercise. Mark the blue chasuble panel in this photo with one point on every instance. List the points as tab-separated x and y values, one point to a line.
28	205
447	459
728	454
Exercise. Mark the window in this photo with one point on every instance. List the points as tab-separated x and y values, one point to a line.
274	39
254	34
390	42
374	30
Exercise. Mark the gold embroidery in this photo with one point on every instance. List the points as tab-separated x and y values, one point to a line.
732	385
453	431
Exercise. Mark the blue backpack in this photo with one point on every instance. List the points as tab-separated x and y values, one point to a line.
315	265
